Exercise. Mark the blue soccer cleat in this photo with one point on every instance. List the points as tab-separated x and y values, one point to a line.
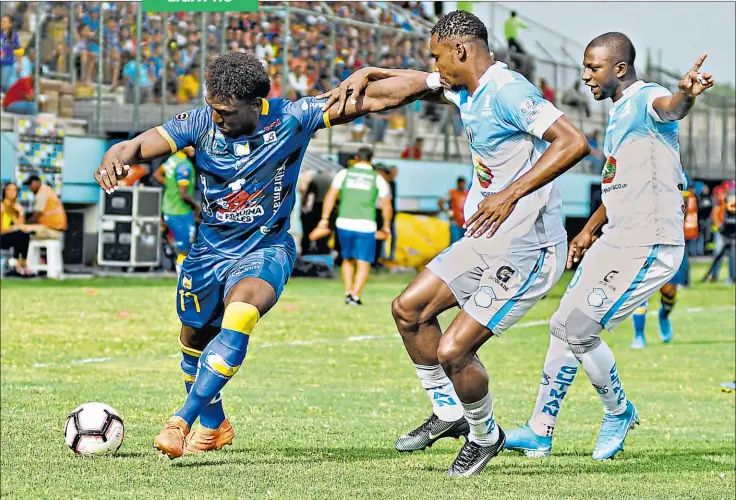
614	429
525	440
639	342
665	327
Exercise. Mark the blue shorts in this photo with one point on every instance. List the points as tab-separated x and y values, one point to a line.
184	230
682	276
206	278
357	245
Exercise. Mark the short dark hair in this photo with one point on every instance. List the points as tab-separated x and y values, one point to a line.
618	45
461	179
365	154
31	179
460	24
237	76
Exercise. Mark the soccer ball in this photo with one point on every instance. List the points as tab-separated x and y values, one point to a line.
94	429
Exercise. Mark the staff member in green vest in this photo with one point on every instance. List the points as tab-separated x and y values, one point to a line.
176	174
358	187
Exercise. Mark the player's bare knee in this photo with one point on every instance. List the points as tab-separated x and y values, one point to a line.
583	333
406	313
453	356
196	339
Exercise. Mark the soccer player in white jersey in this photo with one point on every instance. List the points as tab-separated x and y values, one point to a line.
640	250
515	247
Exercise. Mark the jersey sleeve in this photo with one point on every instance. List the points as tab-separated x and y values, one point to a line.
309	112
651	94
521	106
184	129
384	190
183	173
338	179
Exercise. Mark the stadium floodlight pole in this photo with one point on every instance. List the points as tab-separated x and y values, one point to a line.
164	95
332	77
202	56
137	86
37	66
223	30
72	33
100	57
285	52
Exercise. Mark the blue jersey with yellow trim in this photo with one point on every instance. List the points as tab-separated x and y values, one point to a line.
247	183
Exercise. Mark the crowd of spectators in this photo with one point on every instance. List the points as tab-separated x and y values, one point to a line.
309	59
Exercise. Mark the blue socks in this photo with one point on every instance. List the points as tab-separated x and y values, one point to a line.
640	319
213	414
220	360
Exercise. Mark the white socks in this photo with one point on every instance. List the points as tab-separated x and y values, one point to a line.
445	403
483	428
560	367
600	365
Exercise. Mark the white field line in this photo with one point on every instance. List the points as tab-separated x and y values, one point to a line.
362	338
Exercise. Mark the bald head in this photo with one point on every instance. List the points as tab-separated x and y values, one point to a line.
617	46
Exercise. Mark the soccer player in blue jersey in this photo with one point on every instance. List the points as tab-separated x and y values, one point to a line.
515	246
248	154
639	251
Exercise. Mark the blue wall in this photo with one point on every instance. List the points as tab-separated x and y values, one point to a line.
82	156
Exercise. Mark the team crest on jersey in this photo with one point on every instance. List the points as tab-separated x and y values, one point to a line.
484	296
469	133
609	170
485	176
186	281
242	149
182	116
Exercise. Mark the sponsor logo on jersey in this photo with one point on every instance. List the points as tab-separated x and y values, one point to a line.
608	279
182	116
278	181
545	379
269	137
271	125
484	174
240	205
264	229
487	107
609	170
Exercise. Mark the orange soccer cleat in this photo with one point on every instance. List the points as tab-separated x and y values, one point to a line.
170	441
203	439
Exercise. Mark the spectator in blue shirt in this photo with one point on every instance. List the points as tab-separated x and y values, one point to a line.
9	43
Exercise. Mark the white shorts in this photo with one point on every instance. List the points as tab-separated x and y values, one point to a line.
496	287
612	281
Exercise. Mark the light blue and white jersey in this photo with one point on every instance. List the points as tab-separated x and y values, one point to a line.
642	178
505	120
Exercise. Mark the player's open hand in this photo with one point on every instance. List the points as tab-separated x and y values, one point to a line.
352	86
578	246
492	211
694	83
109	173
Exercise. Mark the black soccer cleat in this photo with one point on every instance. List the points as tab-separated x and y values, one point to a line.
430	431
351	300
474	457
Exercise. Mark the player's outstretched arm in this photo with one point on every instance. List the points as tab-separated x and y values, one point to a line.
389	88
694	83
116	162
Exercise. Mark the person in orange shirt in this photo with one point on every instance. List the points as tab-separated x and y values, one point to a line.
49	218
454	209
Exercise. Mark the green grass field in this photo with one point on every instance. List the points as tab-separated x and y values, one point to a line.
325	391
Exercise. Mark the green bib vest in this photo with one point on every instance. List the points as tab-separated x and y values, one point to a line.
358	194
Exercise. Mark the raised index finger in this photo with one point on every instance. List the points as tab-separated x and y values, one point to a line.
700	62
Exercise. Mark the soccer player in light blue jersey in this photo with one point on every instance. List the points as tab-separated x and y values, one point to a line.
515	247
248	153
640	250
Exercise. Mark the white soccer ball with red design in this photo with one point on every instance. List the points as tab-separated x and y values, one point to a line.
94	429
